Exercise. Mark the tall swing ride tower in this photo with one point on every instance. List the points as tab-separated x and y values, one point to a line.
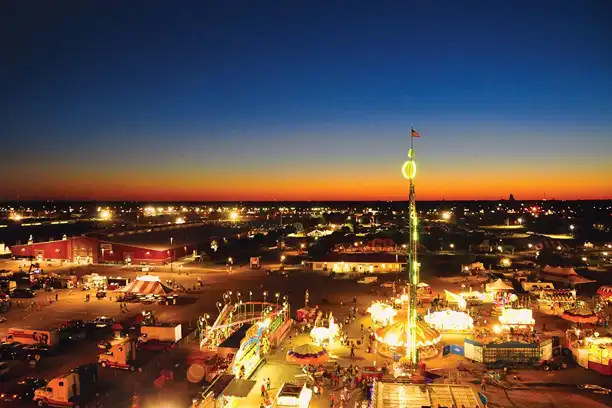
412	265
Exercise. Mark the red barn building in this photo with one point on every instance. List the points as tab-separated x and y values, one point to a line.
87	250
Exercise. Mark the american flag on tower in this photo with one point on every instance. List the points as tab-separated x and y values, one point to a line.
414	133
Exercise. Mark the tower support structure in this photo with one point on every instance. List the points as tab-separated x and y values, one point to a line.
412	265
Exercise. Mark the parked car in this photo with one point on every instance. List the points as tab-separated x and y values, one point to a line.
73	324
103	322
11	351
23	293
552	365
23	390
100	294
37	351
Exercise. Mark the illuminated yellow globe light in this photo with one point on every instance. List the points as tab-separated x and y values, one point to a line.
409	170
234	216
446	215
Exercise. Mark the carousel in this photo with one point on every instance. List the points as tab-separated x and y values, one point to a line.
450	321
580	315
391	340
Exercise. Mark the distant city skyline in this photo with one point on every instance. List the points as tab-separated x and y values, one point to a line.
237	101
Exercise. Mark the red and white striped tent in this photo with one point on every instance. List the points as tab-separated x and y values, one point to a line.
146	287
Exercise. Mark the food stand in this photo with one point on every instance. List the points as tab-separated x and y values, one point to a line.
293	395
94	281
564	298
594	352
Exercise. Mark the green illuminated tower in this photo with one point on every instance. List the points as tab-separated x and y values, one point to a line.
412	266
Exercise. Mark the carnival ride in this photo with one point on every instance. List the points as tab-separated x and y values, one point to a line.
391	340
450	321
233	316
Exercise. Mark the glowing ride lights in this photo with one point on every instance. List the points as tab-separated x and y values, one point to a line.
382	313
392	339
516	318
450	321
410	330
104	214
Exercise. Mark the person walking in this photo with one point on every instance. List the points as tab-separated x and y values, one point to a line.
263	390
483	384
56	297
352	350
332	400
268	383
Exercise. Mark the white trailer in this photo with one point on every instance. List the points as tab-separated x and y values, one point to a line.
164	333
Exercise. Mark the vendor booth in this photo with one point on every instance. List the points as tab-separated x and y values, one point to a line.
594	352
293	395
511	351
226	391
94	281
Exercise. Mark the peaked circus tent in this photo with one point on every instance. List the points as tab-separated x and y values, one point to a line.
498	286
146	286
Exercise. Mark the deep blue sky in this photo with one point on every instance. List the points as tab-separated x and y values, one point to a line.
305	99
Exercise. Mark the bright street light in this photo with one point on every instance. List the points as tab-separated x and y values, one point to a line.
572	227
234	216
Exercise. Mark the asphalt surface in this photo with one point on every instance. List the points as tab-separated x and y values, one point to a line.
328	293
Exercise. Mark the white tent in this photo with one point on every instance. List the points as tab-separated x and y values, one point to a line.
498	286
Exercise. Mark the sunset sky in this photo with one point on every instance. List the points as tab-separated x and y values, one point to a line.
302	100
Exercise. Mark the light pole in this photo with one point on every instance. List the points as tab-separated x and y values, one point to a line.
230	262
171	255
265	295
219	304
251	301
277	295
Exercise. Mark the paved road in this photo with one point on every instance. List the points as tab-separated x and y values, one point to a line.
324	291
